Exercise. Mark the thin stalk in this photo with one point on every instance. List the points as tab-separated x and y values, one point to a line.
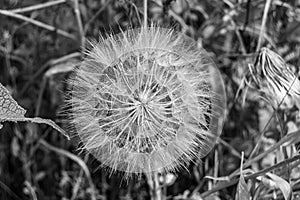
79	22
38	6
37	23
155	189
145	14
263	24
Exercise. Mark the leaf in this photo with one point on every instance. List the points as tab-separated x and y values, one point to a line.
39	120
9	108
11	111
281	184
242	189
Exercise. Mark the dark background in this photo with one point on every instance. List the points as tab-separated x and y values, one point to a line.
35	64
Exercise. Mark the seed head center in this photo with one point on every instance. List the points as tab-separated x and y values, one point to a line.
143	98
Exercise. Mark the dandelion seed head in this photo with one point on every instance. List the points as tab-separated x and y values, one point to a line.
140	101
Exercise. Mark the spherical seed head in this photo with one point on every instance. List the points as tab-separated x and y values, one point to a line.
141	101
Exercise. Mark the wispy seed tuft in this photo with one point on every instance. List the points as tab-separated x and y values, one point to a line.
271	73
141	101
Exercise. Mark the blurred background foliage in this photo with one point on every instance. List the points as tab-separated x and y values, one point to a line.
39	47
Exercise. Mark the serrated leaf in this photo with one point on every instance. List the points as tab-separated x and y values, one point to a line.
11	111
242	192
282	184
9	108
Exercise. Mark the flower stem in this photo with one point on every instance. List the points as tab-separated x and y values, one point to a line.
145	14
155	189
